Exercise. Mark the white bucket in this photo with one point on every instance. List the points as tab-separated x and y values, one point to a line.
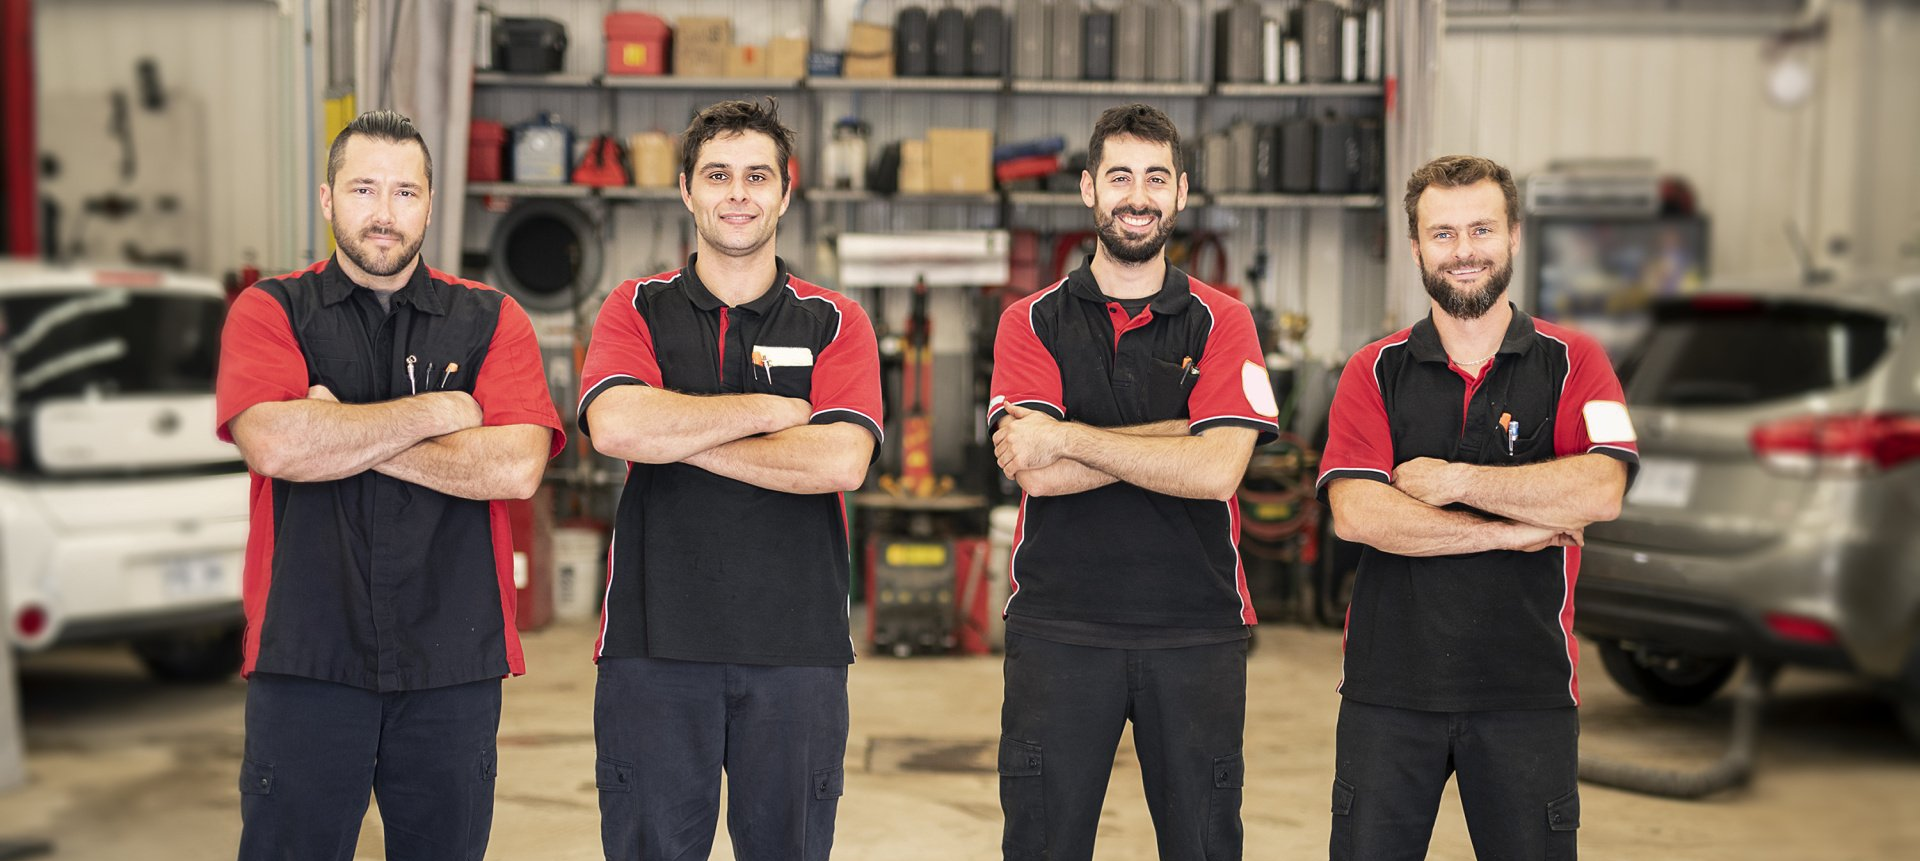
579	572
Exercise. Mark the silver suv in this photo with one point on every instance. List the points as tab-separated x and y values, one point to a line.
1777	511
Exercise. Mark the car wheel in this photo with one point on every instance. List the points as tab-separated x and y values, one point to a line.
1663	678
207	655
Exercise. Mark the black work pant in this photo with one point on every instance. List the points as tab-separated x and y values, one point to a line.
1060	724
666	729
315	750
1518	773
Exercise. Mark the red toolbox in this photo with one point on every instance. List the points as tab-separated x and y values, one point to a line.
637	44
486	151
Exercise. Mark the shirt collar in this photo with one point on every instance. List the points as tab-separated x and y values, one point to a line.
1176	293
704	299
1424	340
420	292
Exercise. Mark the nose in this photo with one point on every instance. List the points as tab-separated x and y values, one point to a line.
737	188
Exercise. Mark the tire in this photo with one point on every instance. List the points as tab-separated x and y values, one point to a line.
192	657
1665	679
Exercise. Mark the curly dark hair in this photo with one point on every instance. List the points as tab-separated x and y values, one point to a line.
735	117
1144	122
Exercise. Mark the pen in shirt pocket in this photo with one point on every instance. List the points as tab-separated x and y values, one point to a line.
1188	371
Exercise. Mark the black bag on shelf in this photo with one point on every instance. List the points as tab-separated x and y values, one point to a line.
1296	156
987	43
950	42
883	176
1097	47
529	46
912	55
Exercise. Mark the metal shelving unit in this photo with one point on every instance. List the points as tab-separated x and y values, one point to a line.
916	85
1299	90
1107	88
1292	201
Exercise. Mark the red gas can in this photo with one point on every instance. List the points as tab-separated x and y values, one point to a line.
486	148
637	44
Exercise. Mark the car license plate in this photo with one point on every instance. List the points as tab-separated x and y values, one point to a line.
186	577
1664	483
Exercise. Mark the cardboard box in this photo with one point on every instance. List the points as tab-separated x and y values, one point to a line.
959	161
913	167
869	51
701	47
787	58
656	160
747	61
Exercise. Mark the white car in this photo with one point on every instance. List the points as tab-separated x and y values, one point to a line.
122	517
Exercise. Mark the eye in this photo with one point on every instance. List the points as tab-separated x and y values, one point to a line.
1444	234
1482	231
757	177
1158	179
717	176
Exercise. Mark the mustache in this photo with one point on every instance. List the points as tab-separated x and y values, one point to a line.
1136	210
1477	263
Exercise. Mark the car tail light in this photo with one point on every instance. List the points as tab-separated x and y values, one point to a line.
1846	444
30	622
1801	629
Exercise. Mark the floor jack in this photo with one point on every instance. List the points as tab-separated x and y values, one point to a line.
916	479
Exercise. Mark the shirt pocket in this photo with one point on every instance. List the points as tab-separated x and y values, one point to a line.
1168	385
783	371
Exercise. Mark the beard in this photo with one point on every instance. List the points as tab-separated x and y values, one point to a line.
733	243
1128	250
372	261
1469	305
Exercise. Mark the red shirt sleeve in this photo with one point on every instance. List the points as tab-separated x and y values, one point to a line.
260	360
1024	371
512	386
1359	440
1232	386
846	374
621	352
1592	416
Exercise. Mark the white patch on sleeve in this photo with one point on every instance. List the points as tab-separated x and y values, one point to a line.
1258	388
782	357
996	402
1607	421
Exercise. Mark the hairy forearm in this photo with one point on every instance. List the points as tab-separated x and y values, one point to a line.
478	463
1374	514
643	424
1063	477
1208	466
314	439
1567	493
827	458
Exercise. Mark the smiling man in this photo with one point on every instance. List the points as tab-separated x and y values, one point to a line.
745	401
1127	399
386	410
1467	452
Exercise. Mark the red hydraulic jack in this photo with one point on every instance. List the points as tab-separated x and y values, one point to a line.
916	479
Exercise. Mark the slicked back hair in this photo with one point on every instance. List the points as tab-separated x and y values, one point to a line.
390	126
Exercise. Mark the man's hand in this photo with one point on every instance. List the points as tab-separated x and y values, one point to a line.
1534	538
1430	480
1028	439
322	393
785	412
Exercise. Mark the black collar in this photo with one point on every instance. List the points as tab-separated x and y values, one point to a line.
420	292
702	298
1174	296
1424	340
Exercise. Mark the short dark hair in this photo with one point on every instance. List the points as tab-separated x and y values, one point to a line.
736	117
1456	171
390	126
1145	122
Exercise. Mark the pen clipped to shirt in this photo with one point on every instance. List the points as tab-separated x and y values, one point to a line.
1188	371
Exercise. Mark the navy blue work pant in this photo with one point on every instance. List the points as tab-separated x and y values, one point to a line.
1060	724
315	750
665	730
1518	773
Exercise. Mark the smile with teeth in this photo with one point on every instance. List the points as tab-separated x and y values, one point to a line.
1136	220
736	217
1467	272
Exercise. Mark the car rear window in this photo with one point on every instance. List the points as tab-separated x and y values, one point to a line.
1734	352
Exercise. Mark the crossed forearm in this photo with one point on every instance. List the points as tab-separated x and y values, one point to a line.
478	463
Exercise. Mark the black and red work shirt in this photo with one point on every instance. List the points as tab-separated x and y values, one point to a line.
369	580
1476	631
1122	554
704	567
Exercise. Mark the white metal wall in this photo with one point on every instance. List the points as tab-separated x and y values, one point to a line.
1890	221
221	59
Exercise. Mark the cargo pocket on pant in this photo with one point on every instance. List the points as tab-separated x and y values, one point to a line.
612	775
1022	801
827	785
1563	827
1224	836
255	779
1341	845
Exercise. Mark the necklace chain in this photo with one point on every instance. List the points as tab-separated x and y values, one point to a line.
1478	361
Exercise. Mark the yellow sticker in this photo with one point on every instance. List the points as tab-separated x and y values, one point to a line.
1607	421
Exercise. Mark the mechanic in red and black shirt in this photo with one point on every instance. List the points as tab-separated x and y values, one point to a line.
746	401
1468	453
385	410
1127	399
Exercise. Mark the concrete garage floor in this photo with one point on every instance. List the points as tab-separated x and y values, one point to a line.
125	768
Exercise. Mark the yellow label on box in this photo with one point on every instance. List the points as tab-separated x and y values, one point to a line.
634	54
916	555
